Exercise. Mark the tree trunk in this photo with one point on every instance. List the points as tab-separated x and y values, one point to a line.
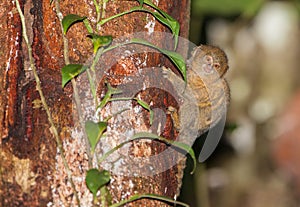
32	173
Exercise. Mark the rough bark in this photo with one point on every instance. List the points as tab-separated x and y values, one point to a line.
29	164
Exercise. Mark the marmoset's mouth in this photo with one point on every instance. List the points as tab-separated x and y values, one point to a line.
208	68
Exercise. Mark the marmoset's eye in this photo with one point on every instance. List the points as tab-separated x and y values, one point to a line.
217	66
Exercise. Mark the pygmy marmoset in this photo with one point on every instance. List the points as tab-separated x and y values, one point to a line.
206	95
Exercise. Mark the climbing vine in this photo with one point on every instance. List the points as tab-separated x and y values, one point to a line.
98	179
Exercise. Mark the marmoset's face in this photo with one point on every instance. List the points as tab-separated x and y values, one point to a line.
208	60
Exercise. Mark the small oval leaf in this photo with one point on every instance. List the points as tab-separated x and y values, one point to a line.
69	20
70	71
94	132
96	179
100	41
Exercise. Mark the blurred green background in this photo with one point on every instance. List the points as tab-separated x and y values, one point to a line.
257	162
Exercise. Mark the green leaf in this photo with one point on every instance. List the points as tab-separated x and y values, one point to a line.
96	179
70	71
141	2
152	196
174	25
100	41
94	132
169	22
110	91
166	19
147	135
147	107
161	16
69	20
176	58
149	3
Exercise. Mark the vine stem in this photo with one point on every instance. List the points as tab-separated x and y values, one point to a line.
73	81
53	128
151	196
